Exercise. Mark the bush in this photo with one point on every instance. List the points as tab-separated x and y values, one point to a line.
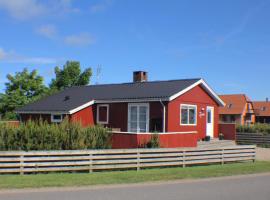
255	128
153	142
43	136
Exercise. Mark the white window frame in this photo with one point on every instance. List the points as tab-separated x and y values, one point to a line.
108	110
147	116
189	106
56	120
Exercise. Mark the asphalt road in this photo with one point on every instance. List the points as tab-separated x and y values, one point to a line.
252	187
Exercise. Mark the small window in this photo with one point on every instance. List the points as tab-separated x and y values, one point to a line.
230	106
56	118
103	114
188	115
263	108
209	116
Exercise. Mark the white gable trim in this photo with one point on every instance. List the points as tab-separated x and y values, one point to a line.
206	87
90	103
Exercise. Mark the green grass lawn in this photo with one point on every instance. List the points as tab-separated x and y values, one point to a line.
149	175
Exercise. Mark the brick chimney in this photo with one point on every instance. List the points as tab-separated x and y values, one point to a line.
140	76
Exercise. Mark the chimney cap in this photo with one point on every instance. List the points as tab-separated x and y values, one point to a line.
140	76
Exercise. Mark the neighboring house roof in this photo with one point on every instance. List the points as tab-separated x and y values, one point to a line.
262	108
76	98
235	104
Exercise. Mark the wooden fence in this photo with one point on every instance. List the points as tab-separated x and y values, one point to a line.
96	160
252	138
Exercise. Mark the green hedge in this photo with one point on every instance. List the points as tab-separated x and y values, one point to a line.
255	128
43	136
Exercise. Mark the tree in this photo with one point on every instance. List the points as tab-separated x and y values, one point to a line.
22	88
70	75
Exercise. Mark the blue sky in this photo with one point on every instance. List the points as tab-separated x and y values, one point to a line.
225	42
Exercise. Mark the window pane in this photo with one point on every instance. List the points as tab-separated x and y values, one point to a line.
133	114
142	110
184	115
142	127
192	116
209	116
133	126
102	113
57	117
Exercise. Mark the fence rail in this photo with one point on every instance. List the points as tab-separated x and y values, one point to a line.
252	138
95	160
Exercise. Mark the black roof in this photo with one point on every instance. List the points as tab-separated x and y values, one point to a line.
74	97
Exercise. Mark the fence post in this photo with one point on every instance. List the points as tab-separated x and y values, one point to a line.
90	162
21	164
254	159
138	160
222	157
184	158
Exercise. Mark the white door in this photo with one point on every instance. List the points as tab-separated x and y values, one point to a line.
210	121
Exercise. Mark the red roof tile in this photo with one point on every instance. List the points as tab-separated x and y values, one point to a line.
235	104
262	108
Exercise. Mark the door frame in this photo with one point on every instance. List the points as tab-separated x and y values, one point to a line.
212	108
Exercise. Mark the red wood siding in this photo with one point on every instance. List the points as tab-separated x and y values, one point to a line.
196	96
228	130
124	141
84	116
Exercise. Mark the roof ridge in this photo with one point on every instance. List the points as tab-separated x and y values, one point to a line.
130	83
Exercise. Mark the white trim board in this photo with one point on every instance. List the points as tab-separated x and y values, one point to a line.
90	103
159	133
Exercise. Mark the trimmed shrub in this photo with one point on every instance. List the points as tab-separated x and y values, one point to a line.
153	142
255	128
43	136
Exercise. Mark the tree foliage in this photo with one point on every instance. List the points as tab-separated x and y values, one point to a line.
70	75
25	87
21	88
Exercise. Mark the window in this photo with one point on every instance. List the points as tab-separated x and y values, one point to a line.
263	108
188	115
230	106
138	118
209	116
56	118
103	114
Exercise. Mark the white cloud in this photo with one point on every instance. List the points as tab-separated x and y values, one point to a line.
2	54
82	39
12	57
22	9
48	31
29	9
101	6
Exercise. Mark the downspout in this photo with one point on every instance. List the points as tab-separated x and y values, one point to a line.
164	116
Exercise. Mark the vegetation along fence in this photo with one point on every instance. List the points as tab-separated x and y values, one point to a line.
96	160
253	138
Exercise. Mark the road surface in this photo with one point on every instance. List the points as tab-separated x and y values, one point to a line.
251	187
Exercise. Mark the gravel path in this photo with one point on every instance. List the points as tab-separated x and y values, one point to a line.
263	154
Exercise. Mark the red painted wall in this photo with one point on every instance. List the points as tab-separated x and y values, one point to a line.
228	130
196	96
124	141
85	116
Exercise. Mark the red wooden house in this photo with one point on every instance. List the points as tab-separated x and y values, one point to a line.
180	111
